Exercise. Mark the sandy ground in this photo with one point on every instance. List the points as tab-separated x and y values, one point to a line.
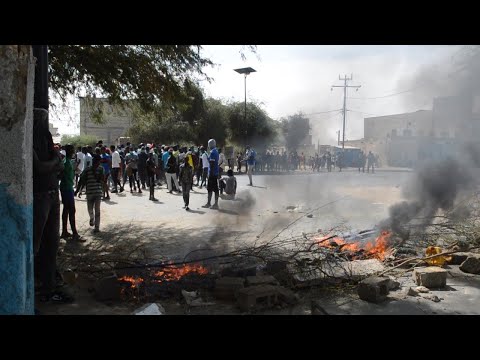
275	204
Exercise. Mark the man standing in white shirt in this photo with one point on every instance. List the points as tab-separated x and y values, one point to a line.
205	165
79	164
116	164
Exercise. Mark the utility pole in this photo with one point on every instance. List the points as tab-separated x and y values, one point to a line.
345	86
338	137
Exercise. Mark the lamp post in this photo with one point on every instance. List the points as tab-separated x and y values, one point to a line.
245	71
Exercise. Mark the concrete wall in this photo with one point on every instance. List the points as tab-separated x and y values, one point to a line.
115	121
378	128
16	207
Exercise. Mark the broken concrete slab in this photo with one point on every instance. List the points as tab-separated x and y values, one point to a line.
108	288
150	309
471	265
393	284
286	295
373	289
256	297
227	287
261	280
430	277
422	289
412	292
459	258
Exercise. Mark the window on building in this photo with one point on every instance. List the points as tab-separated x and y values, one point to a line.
444	134
407	132
394	132
420	133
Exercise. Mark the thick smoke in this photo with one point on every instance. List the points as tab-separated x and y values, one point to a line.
439	185
436	187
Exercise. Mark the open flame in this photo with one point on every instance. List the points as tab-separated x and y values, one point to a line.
172	272
134	281
377	249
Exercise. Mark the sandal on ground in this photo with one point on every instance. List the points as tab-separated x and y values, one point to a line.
77	237
61	297
65	235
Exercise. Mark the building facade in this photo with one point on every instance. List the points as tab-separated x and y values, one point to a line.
103	120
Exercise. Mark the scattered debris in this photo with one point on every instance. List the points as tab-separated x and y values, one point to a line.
310	216
192	298
429	296
422	289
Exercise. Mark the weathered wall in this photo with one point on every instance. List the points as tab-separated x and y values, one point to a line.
115	120
16	122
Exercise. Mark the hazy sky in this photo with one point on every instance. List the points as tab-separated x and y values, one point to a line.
293	78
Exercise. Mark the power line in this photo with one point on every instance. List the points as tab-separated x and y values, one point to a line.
386	96
323	112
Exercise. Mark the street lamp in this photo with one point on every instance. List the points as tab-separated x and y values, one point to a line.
245	71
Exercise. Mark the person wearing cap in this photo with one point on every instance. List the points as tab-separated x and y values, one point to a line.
212	185
93	178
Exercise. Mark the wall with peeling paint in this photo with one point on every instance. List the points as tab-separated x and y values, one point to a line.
17	74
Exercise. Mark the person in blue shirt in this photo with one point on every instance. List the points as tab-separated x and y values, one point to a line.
213	171
250	162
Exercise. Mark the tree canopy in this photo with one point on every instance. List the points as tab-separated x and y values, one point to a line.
150	74
295	129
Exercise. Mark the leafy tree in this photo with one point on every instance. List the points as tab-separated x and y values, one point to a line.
79	140
295	129
150	74
257	129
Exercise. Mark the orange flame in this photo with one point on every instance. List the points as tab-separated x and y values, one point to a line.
172	273
135	282
377	249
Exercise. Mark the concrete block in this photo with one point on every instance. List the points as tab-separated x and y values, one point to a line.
471	265
256	297
430	277
374	289
286	295
261	280
227	287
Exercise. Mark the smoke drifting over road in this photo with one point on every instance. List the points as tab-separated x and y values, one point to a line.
440	184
